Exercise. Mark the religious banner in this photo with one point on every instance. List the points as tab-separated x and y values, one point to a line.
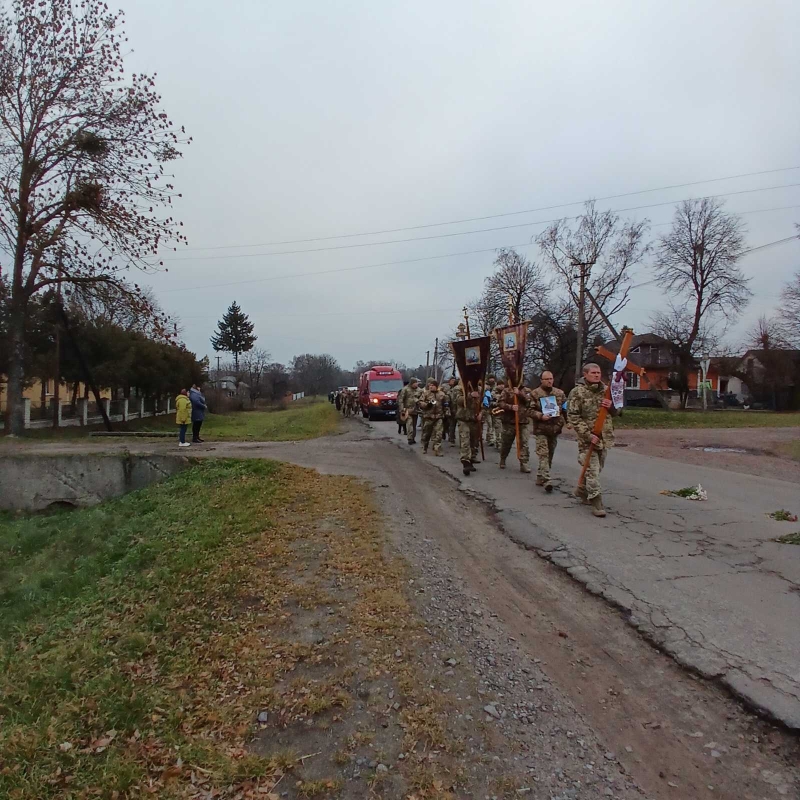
511	339
472	360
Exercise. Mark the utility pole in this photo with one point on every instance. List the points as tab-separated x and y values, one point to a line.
427	364
585	267
57	370
436	359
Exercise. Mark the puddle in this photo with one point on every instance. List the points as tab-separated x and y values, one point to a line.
721	449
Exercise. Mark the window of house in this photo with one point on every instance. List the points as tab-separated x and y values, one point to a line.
631	380
635	350
48	387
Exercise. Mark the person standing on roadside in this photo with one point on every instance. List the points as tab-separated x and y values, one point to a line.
198	412
183	416
548	420
583	406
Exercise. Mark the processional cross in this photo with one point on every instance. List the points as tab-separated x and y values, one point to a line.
614	392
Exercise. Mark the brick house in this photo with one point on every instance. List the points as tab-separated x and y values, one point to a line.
654	354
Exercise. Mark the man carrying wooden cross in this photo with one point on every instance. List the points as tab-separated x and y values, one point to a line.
583	407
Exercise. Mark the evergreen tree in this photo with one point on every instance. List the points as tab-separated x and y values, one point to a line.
234	333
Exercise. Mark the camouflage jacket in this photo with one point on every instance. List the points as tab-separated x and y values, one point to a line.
431	404
471	411
508	400
449	407
553	425
407	399
582	409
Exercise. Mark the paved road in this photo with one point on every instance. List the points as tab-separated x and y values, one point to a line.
702	579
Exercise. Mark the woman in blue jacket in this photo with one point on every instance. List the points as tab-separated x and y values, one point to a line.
198	412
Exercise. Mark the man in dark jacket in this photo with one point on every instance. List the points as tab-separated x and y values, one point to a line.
198	412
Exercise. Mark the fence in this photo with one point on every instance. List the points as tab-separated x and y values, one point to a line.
87	412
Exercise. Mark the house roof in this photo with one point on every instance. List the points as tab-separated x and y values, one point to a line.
642	339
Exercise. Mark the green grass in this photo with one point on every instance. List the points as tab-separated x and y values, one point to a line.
304	419
658	418
92	602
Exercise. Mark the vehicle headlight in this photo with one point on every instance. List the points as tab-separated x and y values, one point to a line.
375	400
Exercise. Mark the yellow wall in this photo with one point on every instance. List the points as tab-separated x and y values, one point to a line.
34	392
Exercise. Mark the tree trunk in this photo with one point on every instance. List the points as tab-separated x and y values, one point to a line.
15	413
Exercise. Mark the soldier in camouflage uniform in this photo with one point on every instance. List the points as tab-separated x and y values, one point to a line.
497	419
488	404
546	430
583	406
513	401
407	401
432	403
469	426
450	414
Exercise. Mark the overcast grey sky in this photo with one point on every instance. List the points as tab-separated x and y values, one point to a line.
314	119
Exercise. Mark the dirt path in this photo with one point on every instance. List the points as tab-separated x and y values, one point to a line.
765	448
584	706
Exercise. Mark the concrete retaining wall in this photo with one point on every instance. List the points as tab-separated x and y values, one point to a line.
34	482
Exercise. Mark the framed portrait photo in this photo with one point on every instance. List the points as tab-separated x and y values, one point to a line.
510	341
472	355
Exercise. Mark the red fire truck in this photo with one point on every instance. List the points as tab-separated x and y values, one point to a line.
377	392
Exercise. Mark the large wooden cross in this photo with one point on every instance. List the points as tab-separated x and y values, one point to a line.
627	335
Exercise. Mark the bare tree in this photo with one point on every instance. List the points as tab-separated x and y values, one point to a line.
253	366
767	333
697	265
687	345
789	311
604	248
82	154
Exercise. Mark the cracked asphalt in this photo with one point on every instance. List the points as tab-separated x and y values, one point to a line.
705	581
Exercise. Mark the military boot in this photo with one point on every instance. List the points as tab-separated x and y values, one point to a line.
539	481
548	487
467	467
502	464
597	506
523	467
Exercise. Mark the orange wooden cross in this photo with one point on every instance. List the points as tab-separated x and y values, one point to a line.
627	335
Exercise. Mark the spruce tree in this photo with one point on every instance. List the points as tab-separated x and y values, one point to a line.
234	333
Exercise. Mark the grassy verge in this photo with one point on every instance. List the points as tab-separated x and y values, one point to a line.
301	420
658	418
215	635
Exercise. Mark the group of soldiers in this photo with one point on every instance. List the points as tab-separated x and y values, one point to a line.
346	401
502	412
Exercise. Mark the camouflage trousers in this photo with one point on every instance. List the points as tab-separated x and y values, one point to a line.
545	450
469	437
510	433
411	427
489	427
450	429
498	431
596	464
432	434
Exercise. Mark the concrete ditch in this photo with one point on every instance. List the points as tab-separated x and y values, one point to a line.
39	482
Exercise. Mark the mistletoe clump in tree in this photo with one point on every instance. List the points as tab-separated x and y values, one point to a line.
82	154
234	334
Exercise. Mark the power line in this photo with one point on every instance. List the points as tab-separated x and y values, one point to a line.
464	233
344	269
743	253
494	216
407	261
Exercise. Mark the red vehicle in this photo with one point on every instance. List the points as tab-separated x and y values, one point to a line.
377	392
